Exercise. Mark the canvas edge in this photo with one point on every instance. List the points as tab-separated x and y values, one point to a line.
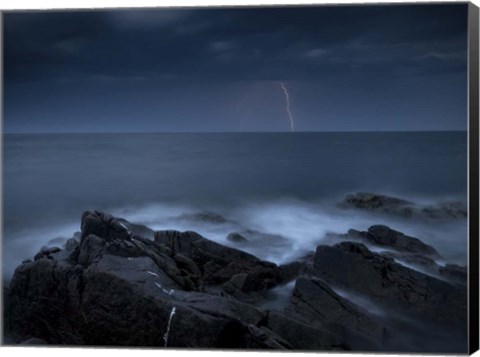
2	287
473	133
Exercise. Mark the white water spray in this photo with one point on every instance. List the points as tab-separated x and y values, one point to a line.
165	337
287	98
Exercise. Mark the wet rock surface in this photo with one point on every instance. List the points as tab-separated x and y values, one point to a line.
395	206
353	266
205	217
385	237
408	251
122	284
316	303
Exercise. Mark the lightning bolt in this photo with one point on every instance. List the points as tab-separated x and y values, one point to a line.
287	98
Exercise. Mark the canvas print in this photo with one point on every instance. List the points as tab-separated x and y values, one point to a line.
285	178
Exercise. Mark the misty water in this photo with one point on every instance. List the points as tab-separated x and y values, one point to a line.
283	184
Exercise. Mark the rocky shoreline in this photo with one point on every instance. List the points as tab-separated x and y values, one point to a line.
116	283
399	207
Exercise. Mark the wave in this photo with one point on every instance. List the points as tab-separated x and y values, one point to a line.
279	231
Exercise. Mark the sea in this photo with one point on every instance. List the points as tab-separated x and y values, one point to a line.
281	184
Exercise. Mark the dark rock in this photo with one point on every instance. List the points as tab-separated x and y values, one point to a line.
116	287
233	335
139	229
71	244
353	266
206	217
314	301
103	225
376	202
454	272
303	336
219	263
237	238
407	251
42	300
255	238
451	272
446	210
264	338
46	252
399	207
253	235
238	335
291	271
91	249
50	250
113	286
418	260
257	333
373	201
383	236
105	304
33	341
235	283
186	263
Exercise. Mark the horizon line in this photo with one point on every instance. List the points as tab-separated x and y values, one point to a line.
230	132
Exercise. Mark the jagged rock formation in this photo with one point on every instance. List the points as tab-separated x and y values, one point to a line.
399	207
406	250
352	266
385	237
117	283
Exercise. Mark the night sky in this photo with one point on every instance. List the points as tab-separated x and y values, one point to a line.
347	68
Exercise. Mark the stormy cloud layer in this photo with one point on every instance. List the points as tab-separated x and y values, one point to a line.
400	67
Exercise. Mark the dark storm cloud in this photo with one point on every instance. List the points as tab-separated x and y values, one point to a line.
160	48
233	43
